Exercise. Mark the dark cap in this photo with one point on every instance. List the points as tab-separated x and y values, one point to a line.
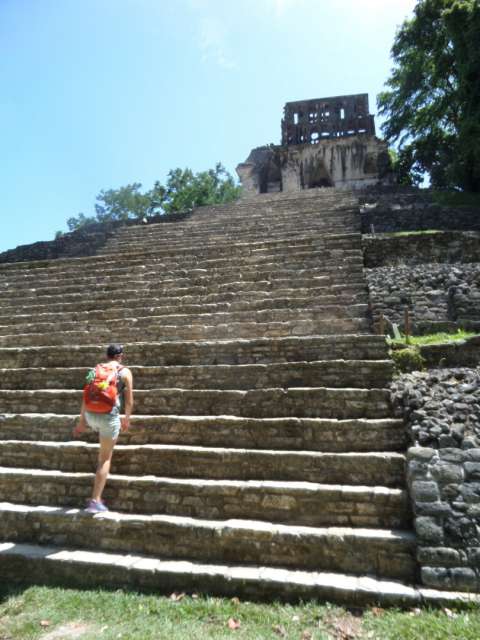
114	350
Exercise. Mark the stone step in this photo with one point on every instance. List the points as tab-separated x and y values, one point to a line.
193	332
219	269
330	373
234	351
194	258
314	402
300	503
234	298
245	211
277	213
243	257
172	305
163	282
60	565
317	197
238	213
261	220
305	225
197	281
152	268
212	463
165	254
157	272
310	434
98	298
380	552
185	257
187	238
153	321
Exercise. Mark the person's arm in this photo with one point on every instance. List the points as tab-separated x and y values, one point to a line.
81	425
128	398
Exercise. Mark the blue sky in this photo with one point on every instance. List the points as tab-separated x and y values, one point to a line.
97	94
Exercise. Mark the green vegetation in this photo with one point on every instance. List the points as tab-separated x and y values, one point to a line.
406	352
433	338
432	102
418	624
183	191
40	612
408	359
399	234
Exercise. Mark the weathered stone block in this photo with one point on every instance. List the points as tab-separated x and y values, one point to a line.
425	491
447	473
421	454
472	470
428	530
440	556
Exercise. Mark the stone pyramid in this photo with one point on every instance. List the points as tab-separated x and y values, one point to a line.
263	459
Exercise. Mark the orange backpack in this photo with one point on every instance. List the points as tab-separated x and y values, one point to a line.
100	393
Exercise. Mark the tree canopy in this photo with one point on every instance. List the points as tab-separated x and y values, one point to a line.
432	101
182	191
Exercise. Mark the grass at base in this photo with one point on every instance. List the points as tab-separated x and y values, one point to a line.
434	338
37	612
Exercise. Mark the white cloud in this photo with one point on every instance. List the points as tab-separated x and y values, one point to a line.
281	7
214	42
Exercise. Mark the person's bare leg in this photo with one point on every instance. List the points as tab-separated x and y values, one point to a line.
103	467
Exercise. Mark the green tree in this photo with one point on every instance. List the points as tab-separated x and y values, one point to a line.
186	190
432	101
183	191
122	204
80	221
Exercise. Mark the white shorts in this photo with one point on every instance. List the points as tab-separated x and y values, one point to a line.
107	425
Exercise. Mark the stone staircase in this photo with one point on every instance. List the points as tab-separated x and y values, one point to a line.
262	459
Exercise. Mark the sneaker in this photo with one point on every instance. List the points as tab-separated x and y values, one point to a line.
95	507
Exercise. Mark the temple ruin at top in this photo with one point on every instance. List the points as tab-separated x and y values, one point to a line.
326	142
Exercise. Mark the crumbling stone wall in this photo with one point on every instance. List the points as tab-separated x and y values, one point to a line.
393	209
438	296
83	242
344	163
458	353
326	142
442	411
441	247
309	121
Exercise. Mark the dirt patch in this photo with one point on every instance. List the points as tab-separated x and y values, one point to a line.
68	631
344	627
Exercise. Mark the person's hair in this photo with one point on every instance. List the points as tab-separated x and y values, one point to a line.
114	350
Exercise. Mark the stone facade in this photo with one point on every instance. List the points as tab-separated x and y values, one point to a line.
446	247
327	142
309	121
438	296
442	409
389	209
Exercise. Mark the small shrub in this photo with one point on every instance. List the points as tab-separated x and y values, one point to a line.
408	360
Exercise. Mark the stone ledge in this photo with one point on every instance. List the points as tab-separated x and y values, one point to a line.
302	503
382	552
461	353
55	565
386	468
441	246
279	433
